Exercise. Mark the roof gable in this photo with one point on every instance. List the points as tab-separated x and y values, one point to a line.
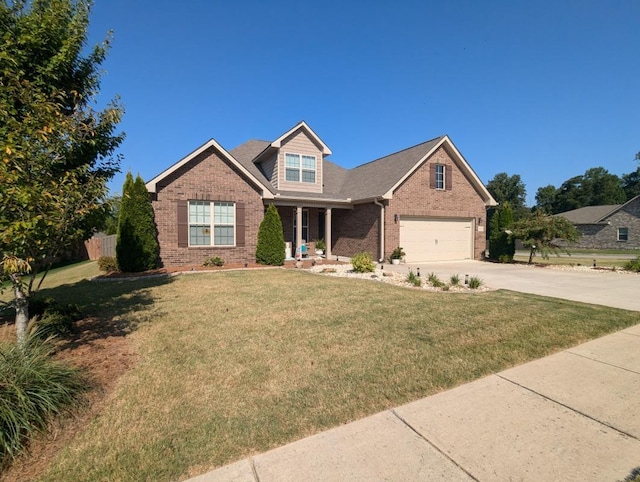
380	178
152	184
303	125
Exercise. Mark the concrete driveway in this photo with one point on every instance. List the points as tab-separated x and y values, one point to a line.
615	289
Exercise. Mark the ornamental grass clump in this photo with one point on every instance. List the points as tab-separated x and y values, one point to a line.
435	281
475	282
633	265
413	279
33	388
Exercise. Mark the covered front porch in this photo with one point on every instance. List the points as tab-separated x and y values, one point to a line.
315	219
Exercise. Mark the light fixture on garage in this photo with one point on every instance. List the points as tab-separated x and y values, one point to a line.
395	218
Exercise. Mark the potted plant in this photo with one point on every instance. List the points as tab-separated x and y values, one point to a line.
320	246
397	255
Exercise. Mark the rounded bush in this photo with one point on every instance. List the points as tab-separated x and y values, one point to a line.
363	263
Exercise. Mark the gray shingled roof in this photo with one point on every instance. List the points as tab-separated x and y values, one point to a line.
246	153
375	178
369	180
589	214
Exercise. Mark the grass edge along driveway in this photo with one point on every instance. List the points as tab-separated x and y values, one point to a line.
236	363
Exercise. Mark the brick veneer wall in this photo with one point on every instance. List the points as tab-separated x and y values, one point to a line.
206	177
415	197
356	230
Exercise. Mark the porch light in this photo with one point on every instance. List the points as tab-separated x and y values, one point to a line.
479	219
395	218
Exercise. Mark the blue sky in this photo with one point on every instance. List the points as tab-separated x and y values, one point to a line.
543	89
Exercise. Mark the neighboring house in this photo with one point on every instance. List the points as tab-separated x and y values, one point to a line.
426	199
612	226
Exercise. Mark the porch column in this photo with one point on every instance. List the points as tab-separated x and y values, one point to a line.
327	232
299	230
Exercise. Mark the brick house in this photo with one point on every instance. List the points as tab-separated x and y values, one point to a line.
426	198
615	226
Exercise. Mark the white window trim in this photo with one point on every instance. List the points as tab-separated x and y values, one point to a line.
300	168
444	175
212	225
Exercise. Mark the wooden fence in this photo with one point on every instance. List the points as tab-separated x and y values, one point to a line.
101	245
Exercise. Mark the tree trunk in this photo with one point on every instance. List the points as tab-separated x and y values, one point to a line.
533	250
22	314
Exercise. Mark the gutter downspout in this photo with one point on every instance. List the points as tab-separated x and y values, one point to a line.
378	203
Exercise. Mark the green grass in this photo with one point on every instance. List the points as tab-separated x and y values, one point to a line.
235	363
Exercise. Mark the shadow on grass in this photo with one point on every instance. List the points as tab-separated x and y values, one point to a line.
107	307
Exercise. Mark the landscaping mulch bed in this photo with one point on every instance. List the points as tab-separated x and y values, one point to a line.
289	264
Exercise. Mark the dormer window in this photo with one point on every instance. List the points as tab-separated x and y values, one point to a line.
300	168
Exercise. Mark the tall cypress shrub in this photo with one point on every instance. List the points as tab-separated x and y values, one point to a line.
270	249
502	246
137	246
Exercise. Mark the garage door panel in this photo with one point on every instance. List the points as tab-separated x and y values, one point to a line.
425	239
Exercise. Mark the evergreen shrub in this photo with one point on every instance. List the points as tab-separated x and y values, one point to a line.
270	248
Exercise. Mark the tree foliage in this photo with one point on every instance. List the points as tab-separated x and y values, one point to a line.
595	187
511	189
541	232
546	198
270	248
631	184
137	246
56	150
502	247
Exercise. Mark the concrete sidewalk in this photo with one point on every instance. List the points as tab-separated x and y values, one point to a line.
574	415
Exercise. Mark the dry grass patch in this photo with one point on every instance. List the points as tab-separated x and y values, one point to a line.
235	363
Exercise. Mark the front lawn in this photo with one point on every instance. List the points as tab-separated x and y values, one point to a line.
235	363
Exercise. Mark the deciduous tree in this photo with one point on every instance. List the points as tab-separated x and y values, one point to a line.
56	149
546	198
506	188
542	232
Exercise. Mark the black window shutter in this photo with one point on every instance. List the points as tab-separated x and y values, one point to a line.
240	227
183	224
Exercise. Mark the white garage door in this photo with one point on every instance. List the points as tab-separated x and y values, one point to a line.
425	239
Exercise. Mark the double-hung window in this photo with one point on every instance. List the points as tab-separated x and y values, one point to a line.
211	223
623	234
440	176
300	168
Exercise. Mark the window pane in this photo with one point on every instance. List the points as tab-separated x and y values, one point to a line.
308	162
223	213
308	176
200	235
223	235
293	175
292	160
199	212
439	176
623	234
